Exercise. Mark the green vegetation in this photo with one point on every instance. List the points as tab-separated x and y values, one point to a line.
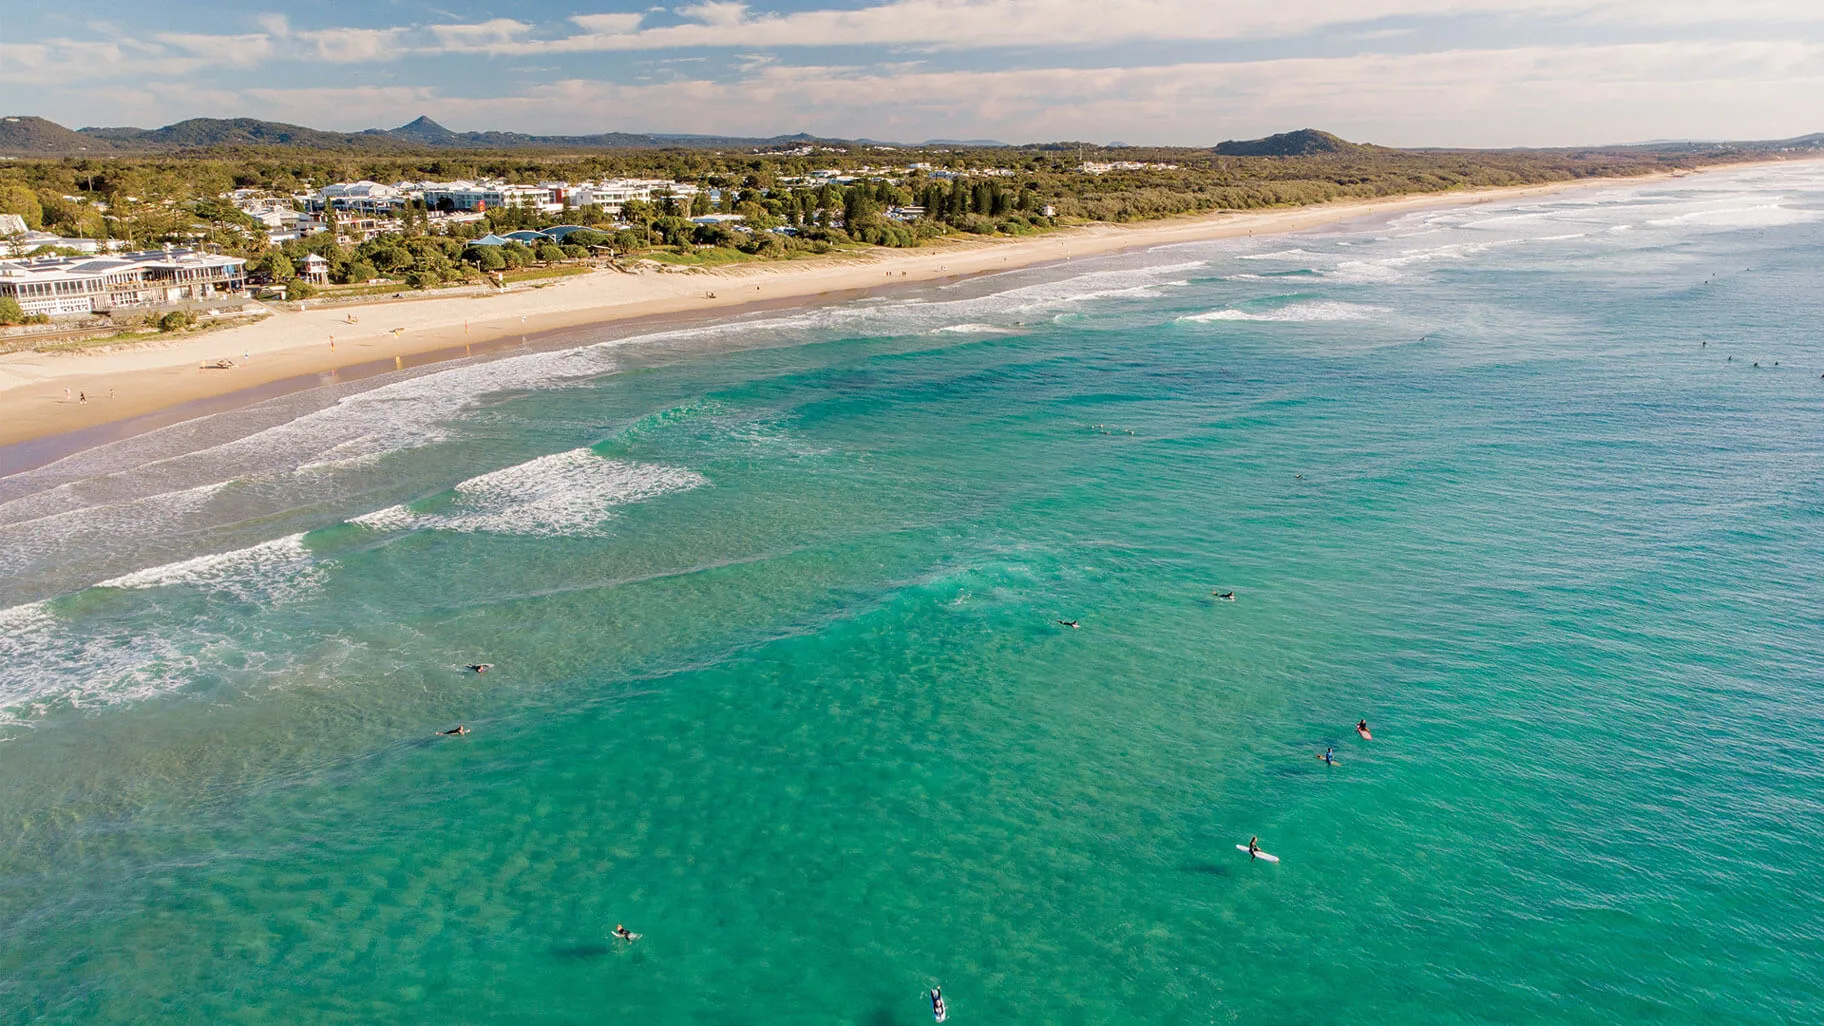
785	210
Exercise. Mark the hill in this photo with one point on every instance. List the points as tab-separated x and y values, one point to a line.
34	136
30	135
1305	142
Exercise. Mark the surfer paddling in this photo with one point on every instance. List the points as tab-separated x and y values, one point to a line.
480	667
457	731
1226	596
938	1011
1072	624
625	934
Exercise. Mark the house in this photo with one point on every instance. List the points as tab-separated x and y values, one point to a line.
77	285
314	269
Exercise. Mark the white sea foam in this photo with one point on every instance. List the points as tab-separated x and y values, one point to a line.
1285	254
274	570
568	493
47	664
970	329
392	518
1317	310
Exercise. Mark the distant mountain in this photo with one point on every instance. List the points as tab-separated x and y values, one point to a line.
208	133
35	136
424	130
1302	143
30	135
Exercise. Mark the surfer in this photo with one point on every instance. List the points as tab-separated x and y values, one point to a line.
938	1011
457	731
1328	761
623	933
1072	624
1254	847
1226	596
1361	726
481	667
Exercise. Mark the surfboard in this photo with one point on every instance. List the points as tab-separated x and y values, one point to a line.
1262	856
631	936
1333	761
1365	735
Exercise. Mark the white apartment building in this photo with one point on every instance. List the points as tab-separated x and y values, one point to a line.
610	194
474	196
362	197
74	285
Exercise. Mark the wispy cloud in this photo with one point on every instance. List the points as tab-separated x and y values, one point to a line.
1527	95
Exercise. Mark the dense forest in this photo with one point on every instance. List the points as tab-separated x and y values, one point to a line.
153	200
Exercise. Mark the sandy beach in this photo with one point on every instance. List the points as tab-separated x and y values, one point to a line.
38	390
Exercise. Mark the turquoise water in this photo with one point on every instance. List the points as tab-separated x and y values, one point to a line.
778	684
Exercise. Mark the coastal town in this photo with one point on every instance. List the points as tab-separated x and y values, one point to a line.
275	245
91	246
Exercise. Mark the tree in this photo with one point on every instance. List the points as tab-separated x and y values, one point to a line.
17	199
275	265
549	253
10	312
487	258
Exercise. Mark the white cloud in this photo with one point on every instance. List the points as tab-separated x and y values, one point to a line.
497	30
992	24
715	12
353	45
238	51
608	24
1521	96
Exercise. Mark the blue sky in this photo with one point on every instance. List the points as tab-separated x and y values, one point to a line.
1398	72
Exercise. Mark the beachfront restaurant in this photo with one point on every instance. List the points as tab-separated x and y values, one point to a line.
78	285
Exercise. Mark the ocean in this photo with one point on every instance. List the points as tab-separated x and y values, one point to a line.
1531	485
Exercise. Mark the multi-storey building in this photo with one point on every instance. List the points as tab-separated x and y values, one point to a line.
68	285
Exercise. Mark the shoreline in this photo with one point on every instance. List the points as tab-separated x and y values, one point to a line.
154	384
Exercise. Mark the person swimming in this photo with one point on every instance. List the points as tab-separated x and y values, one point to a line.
1072	624
938	1010
457	731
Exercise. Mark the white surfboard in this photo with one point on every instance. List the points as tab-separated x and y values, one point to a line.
1261	855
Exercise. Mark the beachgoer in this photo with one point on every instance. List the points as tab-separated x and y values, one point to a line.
456	731
82	397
